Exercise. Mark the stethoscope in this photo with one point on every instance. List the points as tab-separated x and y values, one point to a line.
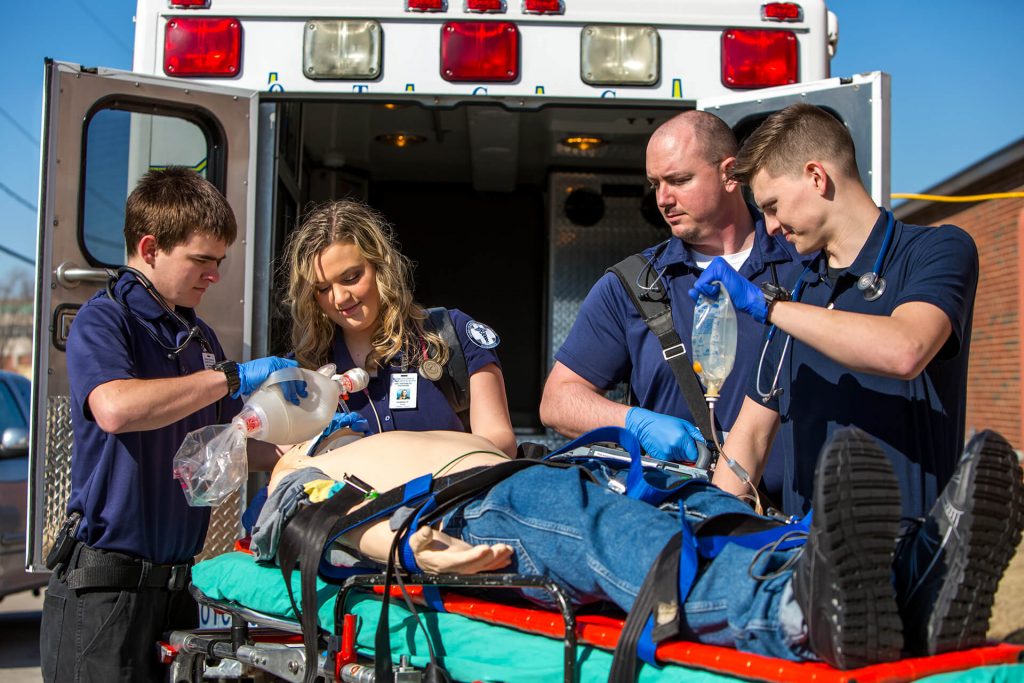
871	285
194	332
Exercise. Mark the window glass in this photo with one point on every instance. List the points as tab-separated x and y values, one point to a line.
10	413
120	147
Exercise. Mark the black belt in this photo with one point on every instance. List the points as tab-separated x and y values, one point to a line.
106	569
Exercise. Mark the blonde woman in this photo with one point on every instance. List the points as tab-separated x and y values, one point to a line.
350	295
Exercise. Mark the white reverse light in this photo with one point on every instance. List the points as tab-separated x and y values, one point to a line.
341	49
620	55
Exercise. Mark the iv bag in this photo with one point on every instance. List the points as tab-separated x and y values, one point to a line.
714	340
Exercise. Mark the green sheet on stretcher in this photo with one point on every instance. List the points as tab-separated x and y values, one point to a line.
470	650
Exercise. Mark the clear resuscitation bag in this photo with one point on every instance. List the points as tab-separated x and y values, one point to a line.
212	463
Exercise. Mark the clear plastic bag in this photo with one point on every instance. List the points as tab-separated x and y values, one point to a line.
211	464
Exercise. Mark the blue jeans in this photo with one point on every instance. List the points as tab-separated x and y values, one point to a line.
599	545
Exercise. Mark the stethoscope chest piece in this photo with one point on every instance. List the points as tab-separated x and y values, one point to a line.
872	284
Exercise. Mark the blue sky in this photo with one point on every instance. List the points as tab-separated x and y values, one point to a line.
957	85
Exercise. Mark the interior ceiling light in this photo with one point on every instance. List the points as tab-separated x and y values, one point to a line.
583	142
400	140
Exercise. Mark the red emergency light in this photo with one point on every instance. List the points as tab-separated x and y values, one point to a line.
489	6
543	7
426	5
481	51
755	58
189	4
207	46
782	11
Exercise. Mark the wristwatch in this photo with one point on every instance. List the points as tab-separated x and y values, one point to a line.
230	370
773	293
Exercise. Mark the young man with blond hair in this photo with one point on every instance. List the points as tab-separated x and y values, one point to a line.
875	334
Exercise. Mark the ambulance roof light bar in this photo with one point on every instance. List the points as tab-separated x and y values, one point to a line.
782	11
485	6
759	58
480	51
426	5
543	7
203	46
189	4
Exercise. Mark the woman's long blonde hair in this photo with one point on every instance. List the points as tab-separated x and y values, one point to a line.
400	319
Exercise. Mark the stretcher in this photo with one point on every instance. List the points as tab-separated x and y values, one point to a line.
482	638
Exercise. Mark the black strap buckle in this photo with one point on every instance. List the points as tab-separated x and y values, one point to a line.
179	577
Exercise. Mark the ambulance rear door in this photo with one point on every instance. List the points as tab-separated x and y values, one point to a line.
861	102
102	130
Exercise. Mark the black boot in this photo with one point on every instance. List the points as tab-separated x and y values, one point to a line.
947	573
843	580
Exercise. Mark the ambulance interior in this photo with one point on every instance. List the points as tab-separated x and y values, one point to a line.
510	215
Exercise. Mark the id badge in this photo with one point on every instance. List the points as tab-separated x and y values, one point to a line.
403	390
209	360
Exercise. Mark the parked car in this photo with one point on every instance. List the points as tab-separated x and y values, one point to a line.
15	392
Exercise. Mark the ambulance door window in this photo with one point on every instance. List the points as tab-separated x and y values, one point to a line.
121	146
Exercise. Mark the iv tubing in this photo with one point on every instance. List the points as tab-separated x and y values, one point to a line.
736	468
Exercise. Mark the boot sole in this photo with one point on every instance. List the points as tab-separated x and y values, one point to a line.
990	529
857	513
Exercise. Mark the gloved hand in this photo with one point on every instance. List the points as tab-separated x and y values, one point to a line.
664	437
254	373
745	295
353	421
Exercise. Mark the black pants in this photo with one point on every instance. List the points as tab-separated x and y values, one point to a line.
108	635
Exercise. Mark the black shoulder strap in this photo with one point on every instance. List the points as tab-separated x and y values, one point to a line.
648	293
454	382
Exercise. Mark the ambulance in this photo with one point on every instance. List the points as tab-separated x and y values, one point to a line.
504	140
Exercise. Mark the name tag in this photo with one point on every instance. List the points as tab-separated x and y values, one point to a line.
402	393
209	360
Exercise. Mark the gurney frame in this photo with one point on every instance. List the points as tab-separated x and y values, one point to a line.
273	647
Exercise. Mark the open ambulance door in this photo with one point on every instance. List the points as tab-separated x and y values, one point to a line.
862	103
102	130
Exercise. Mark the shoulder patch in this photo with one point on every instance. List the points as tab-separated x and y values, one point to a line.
482	335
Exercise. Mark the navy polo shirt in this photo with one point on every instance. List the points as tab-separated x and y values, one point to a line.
919	422
432	409
610	343
123	484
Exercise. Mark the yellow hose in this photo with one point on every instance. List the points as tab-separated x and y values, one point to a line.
964	198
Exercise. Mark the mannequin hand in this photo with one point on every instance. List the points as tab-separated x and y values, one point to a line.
438	553
745	295
254	373
664	437
353	421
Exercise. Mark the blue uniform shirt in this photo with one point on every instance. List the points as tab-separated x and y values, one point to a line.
918	422
610	343
432	409
123	484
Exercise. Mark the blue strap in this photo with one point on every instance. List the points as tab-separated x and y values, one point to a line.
637	485
645	647
412	492
710	546
416	489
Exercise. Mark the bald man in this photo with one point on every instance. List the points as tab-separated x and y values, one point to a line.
689	160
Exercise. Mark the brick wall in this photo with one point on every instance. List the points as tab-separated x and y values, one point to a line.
994	388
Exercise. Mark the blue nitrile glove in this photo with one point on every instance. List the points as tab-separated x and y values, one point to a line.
745	295
664	437
254	373
354	421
